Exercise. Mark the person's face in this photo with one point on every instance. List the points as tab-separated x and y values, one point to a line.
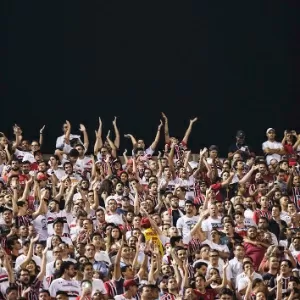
89	251
153	188
129	217
284	267
262	224
239	252
262	168
173	231
24	277
213	153
280	177
55	241
189	208
157	220
263	201
203	270
271	135
15	165
100	216
291	208
252	233
132	241
31	267
52	206
274	262
13	295
44	296
57	253
7	216
23	231
167	172
124	177
213	257
172	284
26	168
182	255
119	188
296	181
58	228
68	169
174	202
275	212
225	176
86	225
204	252
115	233
112	205
166	270
213	210
284	201
88	272
215	235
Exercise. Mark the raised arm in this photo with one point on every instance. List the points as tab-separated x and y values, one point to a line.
41	140
117	269
68	132
189	130
28	258
85	136
167	134
42	272
112	145
117	133
157	137
26	190
99	142
133	140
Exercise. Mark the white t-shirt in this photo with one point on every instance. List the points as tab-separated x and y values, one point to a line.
209	224
114	218
98	285
185	223
3	280
40	224
121	297
272	145
70	286
22	257
20	154
29	156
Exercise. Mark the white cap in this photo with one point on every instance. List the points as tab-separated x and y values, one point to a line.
269	129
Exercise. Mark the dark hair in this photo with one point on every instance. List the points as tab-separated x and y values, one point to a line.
226	291
65	265
175	239
44	291
63	293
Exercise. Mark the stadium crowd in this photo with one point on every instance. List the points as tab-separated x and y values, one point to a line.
79	226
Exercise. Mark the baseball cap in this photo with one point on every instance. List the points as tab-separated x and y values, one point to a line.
270	129
240	134
129	282
213	147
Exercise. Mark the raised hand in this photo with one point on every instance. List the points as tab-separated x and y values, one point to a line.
125	152
193	120
42	129
108	135
127	135
160	125
68	124
82	128
115	121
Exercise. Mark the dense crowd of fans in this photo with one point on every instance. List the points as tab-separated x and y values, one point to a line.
78	226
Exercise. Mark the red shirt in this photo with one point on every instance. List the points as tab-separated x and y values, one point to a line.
256	253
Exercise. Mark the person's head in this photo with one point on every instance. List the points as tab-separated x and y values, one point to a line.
90	251
263	223
201	268
53	205
127	272
252	232
204	251
215	235
88	270
44	295
286	266
61	295
67	268
58	226
24	276
214	256
130	285
213	210
12	292
239	251
226	294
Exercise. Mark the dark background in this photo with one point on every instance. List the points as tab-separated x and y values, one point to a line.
235	65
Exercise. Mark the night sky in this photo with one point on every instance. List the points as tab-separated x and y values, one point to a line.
234	65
